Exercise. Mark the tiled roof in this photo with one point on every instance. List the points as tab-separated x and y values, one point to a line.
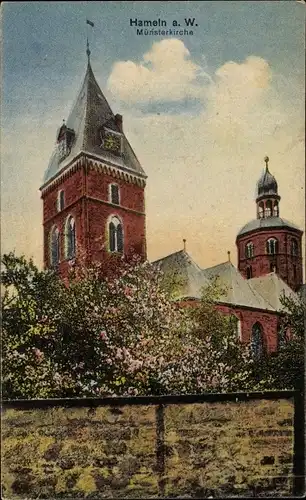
268	222
90	112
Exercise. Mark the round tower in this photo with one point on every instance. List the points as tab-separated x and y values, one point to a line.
270	243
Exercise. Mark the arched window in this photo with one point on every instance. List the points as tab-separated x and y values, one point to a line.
249	250
294	247
268	210
294	272
60	200
273	267
115	235
257	343
54	247
272	246
249	272
261	210
236	322
114	194
275	209
282	335
70	238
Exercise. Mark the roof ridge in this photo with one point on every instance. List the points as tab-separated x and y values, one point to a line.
217	265
169	255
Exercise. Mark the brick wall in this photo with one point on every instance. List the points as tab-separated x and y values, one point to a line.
131	195
261	262
235	448
87	200
133	228
249	317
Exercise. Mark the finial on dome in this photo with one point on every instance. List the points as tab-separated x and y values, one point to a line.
266	158
184	242
228	256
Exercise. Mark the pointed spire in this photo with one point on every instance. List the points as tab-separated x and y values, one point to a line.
89	117
184	242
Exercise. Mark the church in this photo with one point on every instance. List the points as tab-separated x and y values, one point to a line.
93	196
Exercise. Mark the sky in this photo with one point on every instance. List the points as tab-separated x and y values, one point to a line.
200	110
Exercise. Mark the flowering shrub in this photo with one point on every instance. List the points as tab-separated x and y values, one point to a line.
115	335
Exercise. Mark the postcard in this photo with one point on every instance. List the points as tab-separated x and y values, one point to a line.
153	213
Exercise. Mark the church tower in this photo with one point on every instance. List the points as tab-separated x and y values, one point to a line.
270	243
93	188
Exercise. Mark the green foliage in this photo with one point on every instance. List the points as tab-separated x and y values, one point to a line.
123	334
285	369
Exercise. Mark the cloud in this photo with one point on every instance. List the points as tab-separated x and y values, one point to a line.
202	171
229	99
166	73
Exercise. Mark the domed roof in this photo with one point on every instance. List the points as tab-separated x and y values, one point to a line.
267	183
267	223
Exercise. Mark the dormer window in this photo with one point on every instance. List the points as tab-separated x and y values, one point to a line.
60	201
111	141
114	194
65	139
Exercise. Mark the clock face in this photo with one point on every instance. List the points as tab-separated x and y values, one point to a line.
112	142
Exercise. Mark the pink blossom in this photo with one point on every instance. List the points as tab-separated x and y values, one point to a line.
119	353
103	335
38	354
127	291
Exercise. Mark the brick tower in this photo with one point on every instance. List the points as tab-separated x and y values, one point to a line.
270	243
93	189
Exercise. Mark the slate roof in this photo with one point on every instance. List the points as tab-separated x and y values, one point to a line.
257	293
186	273
268	222
237	290
90	112
272	287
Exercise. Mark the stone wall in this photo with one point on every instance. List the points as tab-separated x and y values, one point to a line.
197	450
